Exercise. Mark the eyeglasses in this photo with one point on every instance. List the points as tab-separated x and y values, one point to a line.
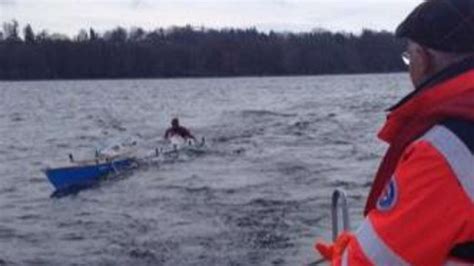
406	58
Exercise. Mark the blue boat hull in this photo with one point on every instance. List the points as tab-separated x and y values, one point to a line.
85	175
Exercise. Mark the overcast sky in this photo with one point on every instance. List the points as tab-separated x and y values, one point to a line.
68	16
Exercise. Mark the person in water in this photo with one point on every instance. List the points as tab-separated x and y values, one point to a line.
177	130
420	210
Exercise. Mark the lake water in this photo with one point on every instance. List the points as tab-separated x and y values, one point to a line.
259	194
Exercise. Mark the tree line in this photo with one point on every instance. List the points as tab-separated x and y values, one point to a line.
192	52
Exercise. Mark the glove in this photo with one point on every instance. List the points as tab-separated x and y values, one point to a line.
331	252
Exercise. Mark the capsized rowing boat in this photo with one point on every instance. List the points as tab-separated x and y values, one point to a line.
110	161
112	157
87	174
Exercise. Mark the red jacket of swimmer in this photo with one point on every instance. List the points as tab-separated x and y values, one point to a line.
421	207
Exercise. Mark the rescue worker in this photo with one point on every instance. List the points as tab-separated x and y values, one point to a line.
420	210
177	130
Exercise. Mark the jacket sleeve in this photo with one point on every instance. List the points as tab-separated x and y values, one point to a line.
419	218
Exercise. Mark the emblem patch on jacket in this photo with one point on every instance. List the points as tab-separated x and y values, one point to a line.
388	199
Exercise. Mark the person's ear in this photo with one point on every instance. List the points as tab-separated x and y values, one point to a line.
421	64
425	61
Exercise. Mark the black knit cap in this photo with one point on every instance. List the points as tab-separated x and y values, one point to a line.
443	25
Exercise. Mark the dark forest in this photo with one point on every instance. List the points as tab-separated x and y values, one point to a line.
192	52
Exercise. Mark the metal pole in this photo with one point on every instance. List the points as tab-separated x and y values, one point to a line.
337	195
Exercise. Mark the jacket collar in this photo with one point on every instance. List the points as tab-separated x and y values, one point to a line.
452	82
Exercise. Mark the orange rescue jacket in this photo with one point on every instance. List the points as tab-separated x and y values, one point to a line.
420	210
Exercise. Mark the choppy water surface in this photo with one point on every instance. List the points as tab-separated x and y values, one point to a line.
259	195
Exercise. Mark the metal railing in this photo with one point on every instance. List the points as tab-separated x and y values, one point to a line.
337	195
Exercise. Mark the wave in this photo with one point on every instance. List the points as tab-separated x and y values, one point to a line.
264	113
